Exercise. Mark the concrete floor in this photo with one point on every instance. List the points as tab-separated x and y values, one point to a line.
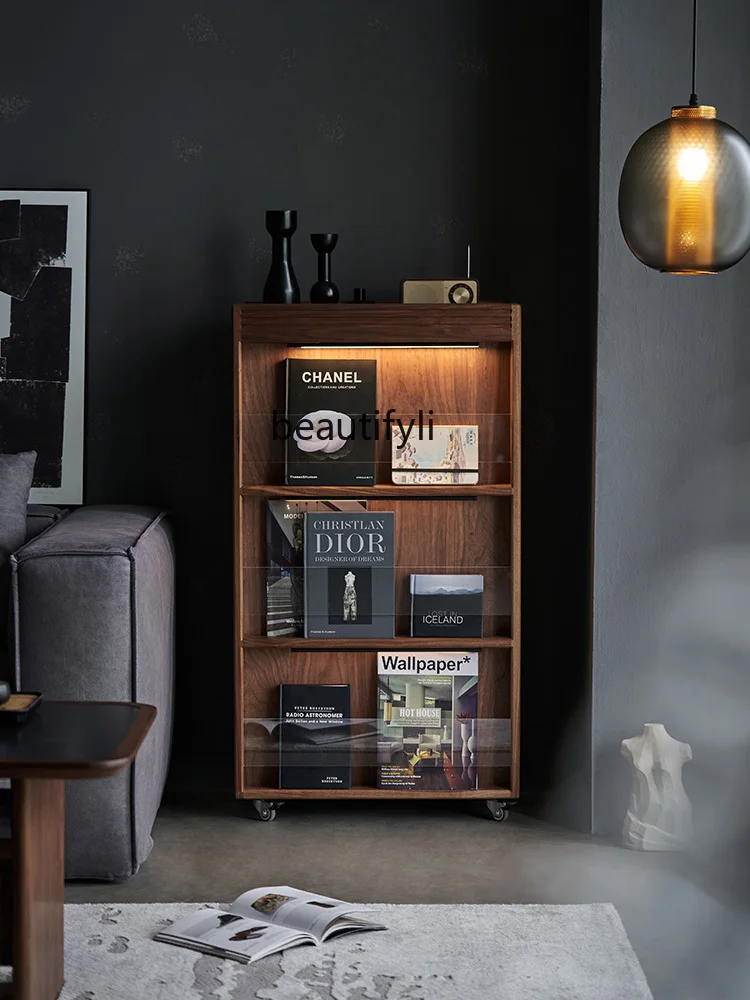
439	853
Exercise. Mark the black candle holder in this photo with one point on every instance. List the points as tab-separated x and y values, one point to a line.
324	289
281	283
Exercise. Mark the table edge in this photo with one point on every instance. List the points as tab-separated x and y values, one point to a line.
103	767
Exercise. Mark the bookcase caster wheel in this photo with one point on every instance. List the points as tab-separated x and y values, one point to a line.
498	810
266	810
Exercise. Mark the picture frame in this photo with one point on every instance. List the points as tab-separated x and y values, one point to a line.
43	316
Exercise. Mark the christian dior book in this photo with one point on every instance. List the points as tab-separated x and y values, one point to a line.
314	736
264	921
329	428
349	575
285	560
427	712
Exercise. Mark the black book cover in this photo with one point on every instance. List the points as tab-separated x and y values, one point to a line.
349	575
286	562
330	426
446	605
313	749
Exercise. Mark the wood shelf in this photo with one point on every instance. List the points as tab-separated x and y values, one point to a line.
462	365
368	792
399	642
380	324
380	492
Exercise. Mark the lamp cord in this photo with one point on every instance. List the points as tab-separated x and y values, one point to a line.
693	95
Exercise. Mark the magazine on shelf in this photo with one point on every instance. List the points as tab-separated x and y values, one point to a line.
427	711
349	575
314	736
264	921
446	605
449	455
330	422
285	563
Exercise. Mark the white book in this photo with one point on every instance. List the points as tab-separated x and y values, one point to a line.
264	921
448	455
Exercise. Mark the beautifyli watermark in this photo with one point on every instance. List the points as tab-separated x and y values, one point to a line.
330	425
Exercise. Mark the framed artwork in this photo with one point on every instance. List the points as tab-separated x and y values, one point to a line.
43	245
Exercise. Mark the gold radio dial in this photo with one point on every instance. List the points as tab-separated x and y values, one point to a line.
461	294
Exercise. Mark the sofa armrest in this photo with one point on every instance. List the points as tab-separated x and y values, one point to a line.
74	602
93	613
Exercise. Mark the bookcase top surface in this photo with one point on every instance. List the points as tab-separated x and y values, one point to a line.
377	324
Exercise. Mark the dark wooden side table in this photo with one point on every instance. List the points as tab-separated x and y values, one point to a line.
63	741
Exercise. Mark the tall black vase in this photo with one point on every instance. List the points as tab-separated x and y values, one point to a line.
324	289
281	283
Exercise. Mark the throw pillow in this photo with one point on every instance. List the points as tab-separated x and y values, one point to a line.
16	474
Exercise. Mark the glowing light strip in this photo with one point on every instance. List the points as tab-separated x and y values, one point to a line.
382	347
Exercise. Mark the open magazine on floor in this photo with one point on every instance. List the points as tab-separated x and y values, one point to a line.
263	921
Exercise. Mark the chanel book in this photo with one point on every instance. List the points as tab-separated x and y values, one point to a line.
349	575
314	736
446	605
330	427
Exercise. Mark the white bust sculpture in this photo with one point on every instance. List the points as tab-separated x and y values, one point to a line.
659	816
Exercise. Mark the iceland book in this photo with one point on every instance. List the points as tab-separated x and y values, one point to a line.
285	560
446	605
314	738
264	921
427	714
330	427
349	575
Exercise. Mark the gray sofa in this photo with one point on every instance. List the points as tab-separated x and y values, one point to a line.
93	619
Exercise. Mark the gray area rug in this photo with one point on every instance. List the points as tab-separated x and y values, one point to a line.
428	953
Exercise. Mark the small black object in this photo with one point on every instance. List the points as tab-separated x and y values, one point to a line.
281	283
360	295
15	716
5	692
324	289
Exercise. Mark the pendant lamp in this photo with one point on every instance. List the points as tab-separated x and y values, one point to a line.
685	190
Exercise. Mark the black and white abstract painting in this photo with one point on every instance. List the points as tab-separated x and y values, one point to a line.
42	336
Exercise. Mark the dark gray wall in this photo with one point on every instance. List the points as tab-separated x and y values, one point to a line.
672	415
409	128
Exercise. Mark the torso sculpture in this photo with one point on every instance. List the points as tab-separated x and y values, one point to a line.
659	817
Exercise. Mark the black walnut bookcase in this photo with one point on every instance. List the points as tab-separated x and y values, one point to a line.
464	363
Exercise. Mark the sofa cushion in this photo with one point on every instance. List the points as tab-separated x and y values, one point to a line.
16	474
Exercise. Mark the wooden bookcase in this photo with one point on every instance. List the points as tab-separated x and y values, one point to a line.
464	363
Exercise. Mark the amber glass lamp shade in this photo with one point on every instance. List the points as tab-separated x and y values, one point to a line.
685	194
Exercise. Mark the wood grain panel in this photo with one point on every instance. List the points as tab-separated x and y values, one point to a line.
384	491
497	791
387	322
265	669
6	911
38	877
297	644
515	707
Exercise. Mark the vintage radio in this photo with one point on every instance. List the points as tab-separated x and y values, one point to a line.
456	291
